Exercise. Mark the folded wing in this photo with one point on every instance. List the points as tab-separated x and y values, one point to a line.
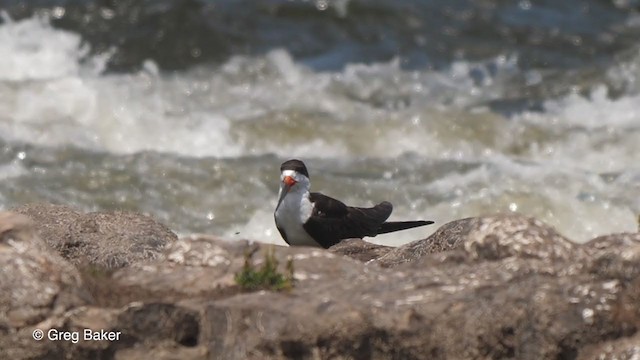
333	221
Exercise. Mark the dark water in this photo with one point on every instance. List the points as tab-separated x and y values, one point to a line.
327	35
184	109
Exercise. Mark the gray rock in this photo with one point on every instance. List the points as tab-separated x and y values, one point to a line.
35	282
163	350
102	239
191	267
488	238
117	239
36	287
208	265
360	250
626	348
51	221
611	241
614	255
495	287
457	307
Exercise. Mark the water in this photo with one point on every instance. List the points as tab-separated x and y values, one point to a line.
459	110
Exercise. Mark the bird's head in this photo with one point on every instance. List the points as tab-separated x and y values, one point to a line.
294	177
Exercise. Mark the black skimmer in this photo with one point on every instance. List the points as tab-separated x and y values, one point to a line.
312	219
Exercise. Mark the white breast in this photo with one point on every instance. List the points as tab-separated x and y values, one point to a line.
292	213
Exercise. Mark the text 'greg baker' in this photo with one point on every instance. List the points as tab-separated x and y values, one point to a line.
74	336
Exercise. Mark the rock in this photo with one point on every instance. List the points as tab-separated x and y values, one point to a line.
492	287
524	307
36	286
359	249
614	255
35	282
624	348
190	267
52	222
164	350
208	265
101	239
175	291
117	239
139	324
611	241
488	238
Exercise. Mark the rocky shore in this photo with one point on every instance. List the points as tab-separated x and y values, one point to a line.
503	286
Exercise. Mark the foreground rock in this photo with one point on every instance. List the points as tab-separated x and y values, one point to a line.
494	287
36	286
48	284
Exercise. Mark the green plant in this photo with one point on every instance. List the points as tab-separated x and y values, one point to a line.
267	276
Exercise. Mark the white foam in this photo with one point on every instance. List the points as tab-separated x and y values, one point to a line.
595	112
31	50
249	106
13	169
253	106
593	133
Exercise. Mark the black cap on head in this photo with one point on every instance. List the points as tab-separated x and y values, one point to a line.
296	165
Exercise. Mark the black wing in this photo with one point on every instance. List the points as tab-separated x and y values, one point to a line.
332	220
327	207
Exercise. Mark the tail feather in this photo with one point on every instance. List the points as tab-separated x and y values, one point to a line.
391	226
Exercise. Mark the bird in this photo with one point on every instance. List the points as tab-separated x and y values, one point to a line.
306	218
